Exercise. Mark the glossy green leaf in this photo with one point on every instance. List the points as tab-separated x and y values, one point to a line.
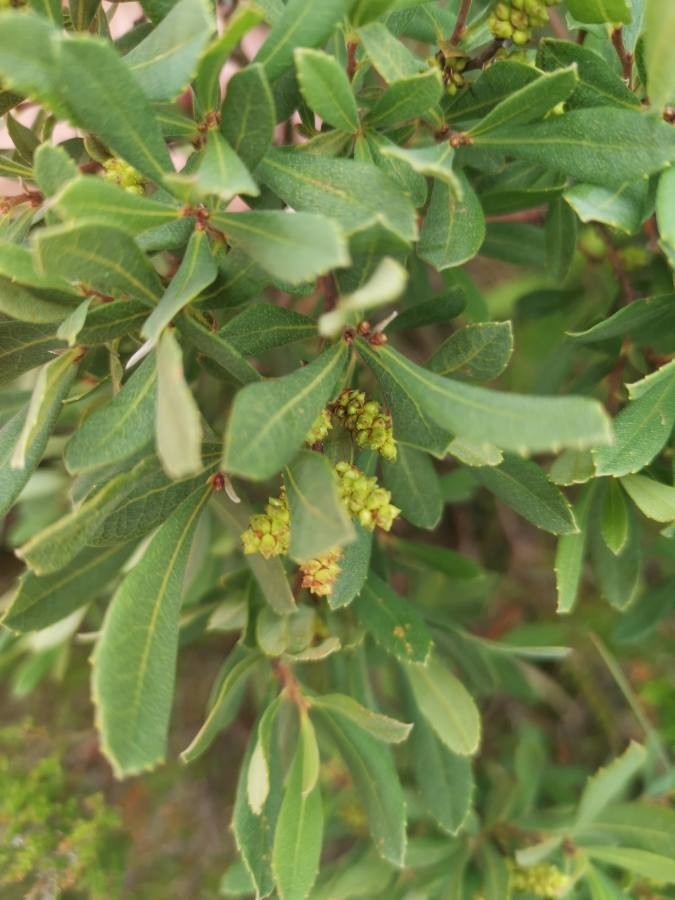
28	61
299	831
350	192
262	326
496	83
427	312
415	487
407	98
24	437
217	347
392	622
248	116
270	419
614	519
23	346
225	705
220	172
639	862
435	161
655	499
376	781
560	235
598	83
196	272
624	207
510	421
570	553
178	428
642	427
100	257
383	728
165	61
616	575
453	229
302	24
646	318
95	200
479	351
118	429
295	247
354	564
106	99
388	55
319	519
523	486
326	89
600	11
446	705
608	784
41	601
578	144
135	657
530	103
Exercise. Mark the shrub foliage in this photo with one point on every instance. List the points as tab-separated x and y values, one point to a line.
249	364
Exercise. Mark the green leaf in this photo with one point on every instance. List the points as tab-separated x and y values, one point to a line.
52	548
105	98
299	831
614	519
624	207
248	116
178	428
640	862
165	61
495	872
654	499
427	312
642	427
480	351
573	143
118	429
388	55
570	552
415	487
196	272
225	705
319	519
376	781
49	8
598	85
302	24
600	11
94	200
206	85
326	89
72	325
354	565
659	33
510	421
453	229
523	486
352	193
262	326
408	98
41	601
17	265
219	172
29	429
561	238
601	886
27	58
446	705
295	247
607	784
386	284
217	347
497	82
270	419
23	346
269	573
645	825
665	215
135	658
650	317
435	161
445	779
101	258
617	575
49	391
530	103
392	622
391	731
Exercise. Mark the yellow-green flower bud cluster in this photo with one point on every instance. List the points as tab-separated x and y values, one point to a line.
121	173
370	427
365	500
319	574
515	19
269	533
452	74
318	432
542	880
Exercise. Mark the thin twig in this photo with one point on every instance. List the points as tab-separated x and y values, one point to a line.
479	61
460	24
625	57
536	215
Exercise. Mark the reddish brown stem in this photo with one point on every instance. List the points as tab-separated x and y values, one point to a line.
460	24
538	214
625	57
479	61
351	59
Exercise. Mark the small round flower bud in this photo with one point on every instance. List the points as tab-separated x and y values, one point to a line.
501	29
121	173
369	503
521	37
319	574
503	11
519	19
369	425
319	430
268	533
